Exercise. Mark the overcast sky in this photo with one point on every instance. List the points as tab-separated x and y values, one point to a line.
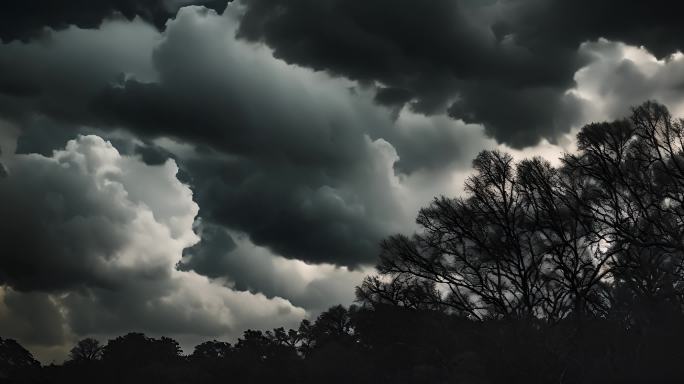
195	168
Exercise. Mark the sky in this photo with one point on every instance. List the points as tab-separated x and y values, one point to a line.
196	168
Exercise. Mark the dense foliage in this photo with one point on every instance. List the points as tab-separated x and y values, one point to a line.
386	344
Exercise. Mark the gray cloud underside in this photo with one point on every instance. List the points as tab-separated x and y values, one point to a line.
24	20
300	161
505	64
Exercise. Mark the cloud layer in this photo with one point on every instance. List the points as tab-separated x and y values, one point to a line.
94	242
238	168
505	64
310	170
23	20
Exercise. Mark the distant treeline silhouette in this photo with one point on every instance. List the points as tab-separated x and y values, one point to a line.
538	274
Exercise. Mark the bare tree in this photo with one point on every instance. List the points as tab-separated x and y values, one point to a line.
530	240
574	264
512	248
633	184
403	291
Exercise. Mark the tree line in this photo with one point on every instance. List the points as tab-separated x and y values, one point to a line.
539	273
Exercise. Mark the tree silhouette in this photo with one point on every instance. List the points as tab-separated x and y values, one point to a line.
16	363
13	355
334	325
213	350
86	350
603	231
137	349
633	183
515	247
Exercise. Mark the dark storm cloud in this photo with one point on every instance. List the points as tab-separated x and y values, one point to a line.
507	64
3	170
393	96
243	266
40	135
429	54
50	84
521	114
206	257
538	24
153	155
295	160
303	177
31	317
26	19
297	212
389	41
